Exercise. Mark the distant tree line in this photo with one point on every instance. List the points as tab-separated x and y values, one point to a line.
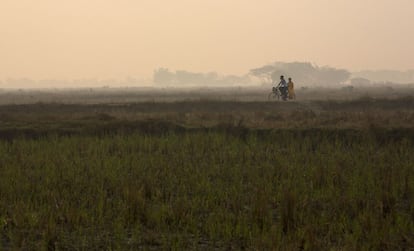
386	76
301	72
163	76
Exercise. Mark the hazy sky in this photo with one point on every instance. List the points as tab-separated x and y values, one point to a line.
118	38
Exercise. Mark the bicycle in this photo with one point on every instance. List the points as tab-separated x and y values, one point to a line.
274	94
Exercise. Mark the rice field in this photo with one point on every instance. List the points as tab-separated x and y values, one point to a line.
106	182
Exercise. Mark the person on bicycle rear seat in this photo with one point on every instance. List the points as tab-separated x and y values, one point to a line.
283	87
291	89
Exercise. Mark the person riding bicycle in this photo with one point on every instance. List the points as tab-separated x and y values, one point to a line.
283	87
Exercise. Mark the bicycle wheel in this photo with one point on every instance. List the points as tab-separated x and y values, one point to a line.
271	96
277	95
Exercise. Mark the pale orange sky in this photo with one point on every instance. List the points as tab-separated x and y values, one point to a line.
118	38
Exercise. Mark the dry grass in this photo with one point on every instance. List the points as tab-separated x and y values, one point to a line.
208	175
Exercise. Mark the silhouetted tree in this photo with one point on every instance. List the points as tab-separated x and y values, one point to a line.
163	76
301	72
329	76
264	73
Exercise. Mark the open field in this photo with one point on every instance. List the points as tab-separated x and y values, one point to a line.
105	95
203	172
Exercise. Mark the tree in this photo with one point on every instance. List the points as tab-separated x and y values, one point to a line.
301	72
329	76
264	73
163	76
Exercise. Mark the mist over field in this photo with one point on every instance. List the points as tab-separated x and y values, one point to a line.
304	74
107	43
166	125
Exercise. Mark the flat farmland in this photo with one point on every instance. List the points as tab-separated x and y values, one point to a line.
125	170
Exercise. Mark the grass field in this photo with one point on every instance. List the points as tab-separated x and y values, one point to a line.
208	175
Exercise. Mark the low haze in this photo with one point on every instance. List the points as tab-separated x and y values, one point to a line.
206	125
116	39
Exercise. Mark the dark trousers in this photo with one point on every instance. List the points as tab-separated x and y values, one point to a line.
284	92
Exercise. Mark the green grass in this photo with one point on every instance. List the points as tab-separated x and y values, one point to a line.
217	189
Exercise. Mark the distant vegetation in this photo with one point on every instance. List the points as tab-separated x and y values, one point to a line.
305	73
165	77
382	76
